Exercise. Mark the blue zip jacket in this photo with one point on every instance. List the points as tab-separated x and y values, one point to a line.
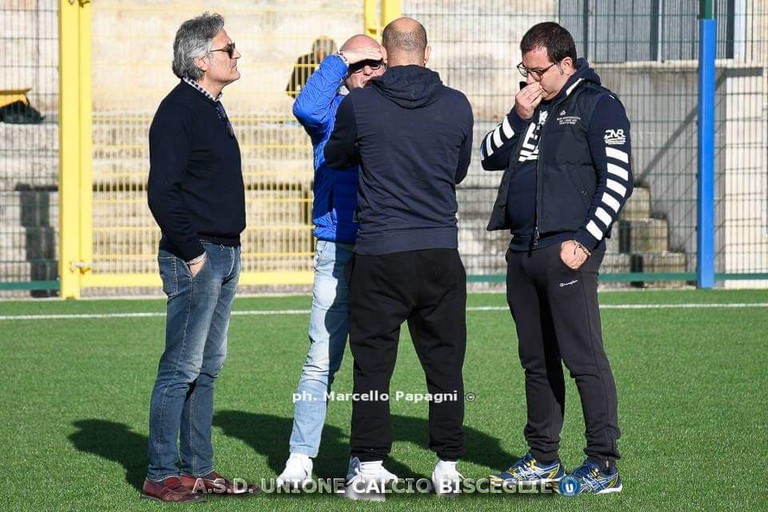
335	192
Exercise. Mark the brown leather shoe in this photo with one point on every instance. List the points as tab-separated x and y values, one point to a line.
214	483
170	490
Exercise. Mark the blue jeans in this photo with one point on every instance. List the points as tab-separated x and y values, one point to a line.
328	329
196	326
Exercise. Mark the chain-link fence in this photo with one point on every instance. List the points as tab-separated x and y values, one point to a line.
646	51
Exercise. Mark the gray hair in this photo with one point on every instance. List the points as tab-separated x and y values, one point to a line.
193	40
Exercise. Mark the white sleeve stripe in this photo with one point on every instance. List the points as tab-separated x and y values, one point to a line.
604	216
594	230
617	187
485	147
497	137
618	171
617	154
507	128
610	201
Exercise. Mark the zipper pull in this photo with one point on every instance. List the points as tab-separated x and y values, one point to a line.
535	235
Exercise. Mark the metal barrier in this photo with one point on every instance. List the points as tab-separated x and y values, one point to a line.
645	51
29	201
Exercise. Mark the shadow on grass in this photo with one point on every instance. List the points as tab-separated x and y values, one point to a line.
268	435
114	441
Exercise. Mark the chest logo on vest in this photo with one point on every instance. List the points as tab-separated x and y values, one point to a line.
564	119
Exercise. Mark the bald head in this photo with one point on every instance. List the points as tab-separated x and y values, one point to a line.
405	41
359	41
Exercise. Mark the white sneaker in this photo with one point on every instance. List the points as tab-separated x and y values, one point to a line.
297	472
446	479
366	480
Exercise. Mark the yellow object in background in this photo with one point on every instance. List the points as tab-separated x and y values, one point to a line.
8	96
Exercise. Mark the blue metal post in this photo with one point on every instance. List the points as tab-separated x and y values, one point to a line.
706	154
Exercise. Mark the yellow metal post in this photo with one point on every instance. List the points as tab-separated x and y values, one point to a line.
370	17
86	139
390	10
74	144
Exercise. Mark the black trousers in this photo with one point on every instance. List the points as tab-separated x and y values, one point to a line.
557	316
427	289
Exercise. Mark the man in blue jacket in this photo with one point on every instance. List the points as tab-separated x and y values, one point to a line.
358	63
412	137
566	154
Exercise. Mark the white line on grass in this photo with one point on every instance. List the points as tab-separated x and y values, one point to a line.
261	312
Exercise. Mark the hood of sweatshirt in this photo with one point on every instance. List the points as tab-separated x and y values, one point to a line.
583	73
410	86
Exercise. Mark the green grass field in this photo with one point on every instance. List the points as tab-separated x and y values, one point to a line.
692	381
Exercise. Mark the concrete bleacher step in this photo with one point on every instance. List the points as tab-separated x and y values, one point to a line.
638	207
614	263
38	171
13	244
659	262
132	133
18	270
644	235
29	138
29	208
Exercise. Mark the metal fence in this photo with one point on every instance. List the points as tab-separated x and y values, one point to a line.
645	50
29	90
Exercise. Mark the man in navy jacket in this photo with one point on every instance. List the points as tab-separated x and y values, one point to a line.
335	198
195	192
412	137
566	154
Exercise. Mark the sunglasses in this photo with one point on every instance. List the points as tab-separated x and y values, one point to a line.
357	67
230	49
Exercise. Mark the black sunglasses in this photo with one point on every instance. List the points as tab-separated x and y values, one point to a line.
230	49
357	67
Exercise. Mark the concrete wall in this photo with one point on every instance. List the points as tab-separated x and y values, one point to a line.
133	48
475	49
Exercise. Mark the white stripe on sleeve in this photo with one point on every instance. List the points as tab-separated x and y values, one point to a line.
617	187
604	217
618	171
487	147
594	230
507	128
497	137
611	201
617	154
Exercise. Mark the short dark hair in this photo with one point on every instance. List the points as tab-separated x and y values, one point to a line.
408	42
554	38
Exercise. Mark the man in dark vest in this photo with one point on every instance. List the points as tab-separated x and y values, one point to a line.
565	151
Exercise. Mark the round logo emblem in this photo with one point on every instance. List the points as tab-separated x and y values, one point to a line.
569	486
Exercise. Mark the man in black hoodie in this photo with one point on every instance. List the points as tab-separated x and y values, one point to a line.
412	137
565	151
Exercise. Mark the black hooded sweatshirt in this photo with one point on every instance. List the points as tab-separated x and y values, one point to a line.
412	137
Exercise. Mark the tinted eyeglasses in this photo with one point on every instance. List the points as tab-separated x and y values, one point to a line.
230	49
357	67
537	73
